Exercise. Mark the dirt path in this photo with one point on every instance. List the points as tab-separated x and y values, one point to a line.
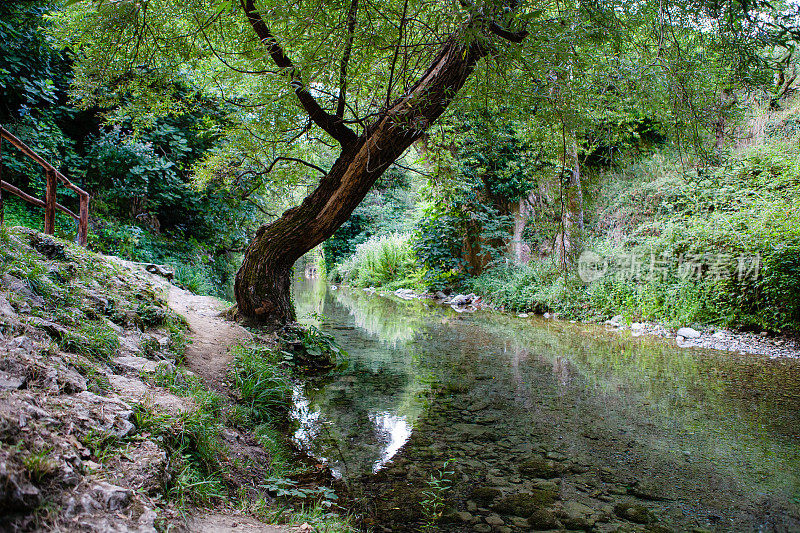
212	335
220	523
208	356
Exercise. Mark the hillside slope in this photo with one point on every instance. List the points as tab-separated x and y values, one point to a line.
100	428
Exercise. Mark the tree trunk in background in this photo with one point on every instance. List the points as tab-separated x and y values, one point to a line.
727	100
573	210
263	283
519	248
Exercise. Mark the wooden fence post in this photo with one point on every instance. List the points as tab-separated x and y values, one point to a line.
83	223
50	204
2	207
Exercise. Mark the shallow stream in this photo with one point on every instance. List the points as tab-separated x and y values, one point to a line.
506	424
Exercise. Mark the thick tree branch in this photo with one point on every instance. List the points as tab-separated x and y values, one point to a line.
513	36
330	123
296	160
348	47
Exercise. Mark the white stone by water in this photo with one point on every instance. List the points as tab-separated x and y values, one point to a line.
688	333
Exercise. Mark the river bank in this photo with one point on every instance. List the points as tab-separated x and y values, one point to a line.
129	404
709	337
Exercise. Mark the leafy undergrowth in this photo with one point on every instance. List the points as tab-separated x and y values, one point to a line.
716	245
196	267
382	261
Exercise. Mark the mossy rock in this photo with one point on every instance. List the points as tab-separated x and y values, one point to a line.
635	513
540	467
485	494
543	519
47	246
524	504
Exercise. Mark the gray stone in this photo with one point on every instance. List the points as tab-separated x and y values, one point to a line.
494	520
5	308
16	493
576	515
135	364
464	516
405	294
460	300
111	497
21	291
9	382
689	333
634	512
70	382
161	270
55	331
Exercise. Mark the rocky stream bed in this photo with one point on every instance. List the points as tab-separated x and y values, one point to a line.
537	425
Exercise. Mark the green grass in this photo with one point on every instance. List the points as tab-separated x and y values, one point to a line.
39	465
263	386
380	261
96	340
102	444
194	448
97	381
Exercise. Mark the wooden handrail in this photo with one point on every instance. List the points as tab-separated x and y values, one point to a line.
53	177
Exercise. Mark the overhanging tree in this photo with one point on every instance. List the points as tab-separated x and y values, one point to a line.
363	79
263	282
391	70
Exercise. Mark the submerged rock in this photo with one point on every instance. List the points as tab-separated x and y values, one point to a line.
485	494
541	468
634	512
576	515
524	504
543	519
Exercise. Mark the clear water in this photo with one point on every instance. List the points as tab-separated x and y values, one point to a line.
690	438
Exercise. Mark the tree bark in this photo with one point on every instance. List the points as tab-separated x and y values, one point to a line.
572	223
263	283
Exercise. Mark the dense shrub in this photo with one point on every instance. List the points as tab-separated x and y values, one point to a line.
379	262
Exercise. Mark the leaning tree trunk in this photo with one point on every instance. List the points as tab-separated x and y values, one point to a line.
263	283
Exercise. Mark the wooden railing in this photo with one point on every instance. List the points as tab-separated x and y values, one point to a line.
49	204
